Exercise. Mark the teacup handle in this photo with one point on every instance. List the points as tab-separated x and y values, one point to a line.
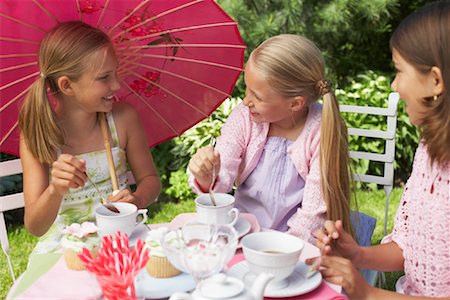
142	212
234	211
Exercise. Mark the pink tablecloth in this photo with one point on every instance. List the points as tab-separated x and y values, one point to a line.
62	283
323	292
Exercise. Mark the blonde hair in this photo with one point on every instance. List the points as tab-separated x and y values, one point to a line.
64	51
294	66
423	40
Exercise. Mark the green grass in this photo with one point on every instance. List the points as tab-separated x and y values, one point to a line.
22	243
373	204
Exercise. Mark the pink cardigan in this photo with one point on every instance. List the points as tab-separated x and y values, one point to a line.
422	228
240	146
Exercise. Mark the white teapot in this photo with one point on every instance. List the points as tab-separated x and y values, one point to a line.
221	286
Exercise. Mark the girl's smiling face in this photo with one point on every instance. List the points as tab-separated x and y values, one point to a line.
265	104
95	89
413	86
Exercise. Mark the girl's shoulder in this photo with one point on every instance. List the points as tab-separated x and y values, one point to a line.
125	116
126	120
123	110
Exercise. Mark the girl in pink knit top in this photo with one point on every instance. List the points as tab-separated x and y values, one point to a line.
286	153
420	241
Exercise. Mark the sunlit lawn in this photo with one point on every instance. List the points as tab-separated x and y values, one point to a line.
22	242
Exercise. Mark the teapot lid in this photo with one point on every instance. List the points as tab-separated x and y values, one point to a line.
220	286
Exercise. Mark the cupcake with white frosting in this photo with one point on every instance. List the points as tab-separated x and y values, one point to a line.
158	265
75	238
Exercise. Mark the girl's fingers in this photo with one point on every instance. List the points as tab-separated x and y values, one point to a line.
71	165
73	180
330	229
337	264
339	227
321	237
70	160
339	280
327	250
124	195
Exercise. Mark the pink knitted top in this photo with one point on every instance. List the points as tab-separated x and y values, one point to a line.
422	228
241	144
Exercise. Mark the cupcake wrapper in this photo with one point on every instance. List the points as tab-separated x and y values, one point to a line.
73	262
160	267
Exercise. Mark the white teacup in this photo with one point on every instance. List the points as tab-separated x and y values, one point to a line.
223	213
125	221
272	252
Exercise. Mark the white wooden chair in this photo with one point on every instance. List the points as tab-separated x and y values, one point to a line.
387	158
9	202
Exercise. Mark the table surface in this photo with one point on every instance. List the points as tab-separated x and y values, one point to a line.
309	250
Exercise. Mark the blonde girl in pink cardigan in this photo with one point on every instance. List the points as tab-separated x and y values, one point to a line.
420	241
286	153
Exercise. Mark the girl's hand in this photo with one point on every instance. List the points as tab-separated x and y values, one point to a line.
124	195
201	166
334	240
339	270
67	172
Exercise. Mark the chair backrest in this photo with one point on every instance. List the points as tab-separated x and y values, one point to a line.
9	202
388	157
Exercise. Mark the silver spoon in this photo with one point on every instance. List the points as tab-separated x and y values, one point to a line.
106	204
211	194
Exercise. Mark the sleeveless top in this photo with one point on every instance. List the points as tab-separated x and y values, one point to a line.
79	204
274	190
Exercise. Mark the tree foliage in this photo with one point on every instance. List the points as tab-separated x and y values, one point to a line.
353	34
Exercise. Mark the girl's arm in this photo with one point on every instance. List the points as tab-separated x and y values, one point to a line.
230	146
339	270
43	197
385	257
139	157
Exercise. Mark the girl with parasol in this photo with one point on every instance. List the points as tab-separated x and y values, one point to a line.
287	153
61	140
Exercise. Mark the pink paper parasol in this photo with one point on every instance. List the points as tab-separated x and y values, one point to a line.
179	59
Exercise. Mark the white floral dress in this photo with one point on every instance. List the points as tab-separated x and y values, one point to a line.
79	204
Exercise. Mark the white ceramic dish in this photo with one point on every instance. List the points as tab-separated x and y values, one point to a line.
242	226
140	232
298	283
155	288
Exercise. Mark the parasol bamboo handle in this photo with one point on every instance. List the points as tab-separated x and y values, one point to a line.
112	168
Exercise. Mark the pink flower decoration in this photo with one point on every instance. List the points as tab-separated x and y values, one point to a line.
89	6
80	231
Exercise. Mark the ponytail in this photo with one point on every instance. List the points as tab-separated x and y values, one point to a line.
38	124
334	161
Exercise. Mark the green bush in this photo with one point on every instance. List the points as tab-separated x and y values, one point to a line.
173	157
353	34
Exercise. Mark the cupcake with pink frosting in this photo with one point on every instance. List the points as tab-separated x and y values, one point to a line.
75	238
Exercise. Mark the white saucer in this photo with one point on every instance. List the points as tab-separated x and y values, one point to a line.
242	226
155	288
297	282
140	232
